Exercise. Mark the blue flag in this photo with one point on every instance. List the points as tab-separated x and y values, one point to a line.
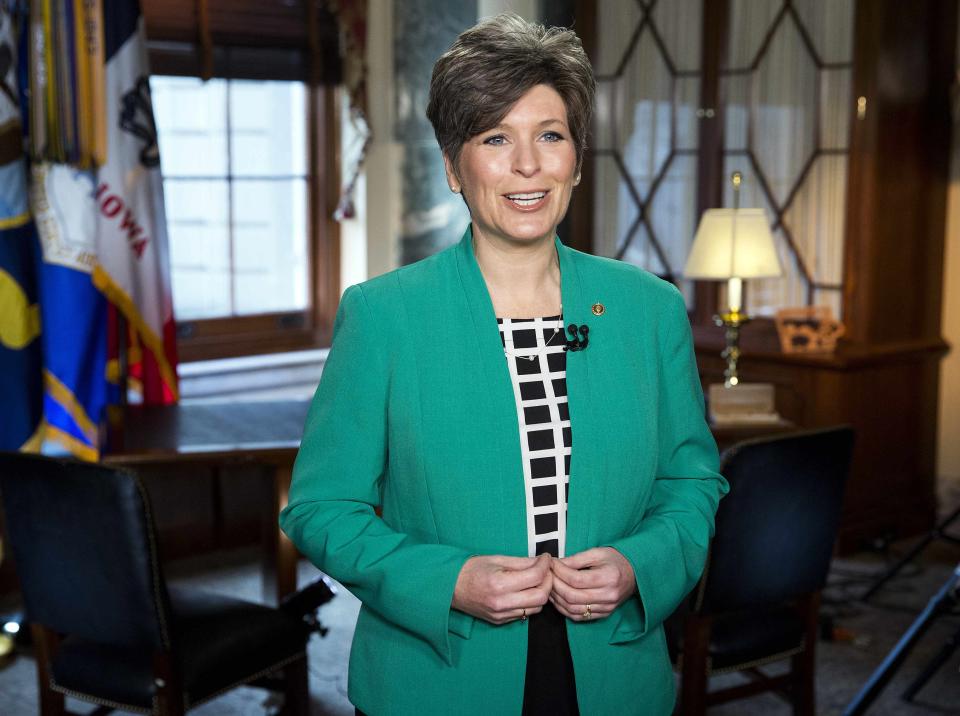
21	385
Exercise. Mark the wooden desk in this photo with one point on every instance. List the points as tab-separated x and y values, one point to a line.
728	434
217	435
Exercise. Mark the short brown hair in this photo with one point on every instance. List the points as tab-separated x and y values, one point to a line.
493	64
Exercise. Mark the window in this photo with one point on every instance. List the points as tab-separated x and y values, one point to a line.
249	168
687	94
233	156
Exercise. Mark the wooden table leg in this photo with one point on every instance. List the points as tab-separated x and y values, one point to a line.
279	554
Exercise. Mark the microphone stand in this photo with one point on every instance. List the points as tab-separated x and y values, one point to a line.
938	532
941	603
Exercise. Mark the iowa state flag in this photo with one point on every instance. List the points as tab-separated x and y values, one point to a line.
133	266
105	252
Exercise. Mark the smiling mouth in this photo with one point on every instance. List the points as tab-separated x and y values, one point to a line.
527	200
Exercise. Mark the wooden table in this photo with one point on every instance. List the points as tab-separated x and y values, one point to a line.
218	435
728	434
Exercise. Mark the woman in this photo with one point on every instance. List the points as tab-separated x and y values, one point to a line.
530	547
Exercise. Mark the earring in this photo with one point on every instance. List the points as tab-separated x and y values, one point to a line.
576	181
455	189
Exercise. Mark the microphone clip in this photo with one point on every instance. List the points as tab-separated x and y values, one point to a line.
577	342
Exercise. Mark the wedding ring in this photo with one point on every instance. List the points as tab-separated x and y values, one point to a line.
523	617
587	613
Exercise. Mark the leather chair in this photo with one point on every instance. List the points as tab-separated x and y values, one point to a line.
758	599
106	629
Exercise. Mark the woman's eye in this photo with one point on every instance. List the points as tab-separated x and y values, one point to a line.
553	137
495	140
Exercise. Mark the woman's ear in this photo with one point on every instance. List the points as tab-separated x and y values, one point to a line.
453	181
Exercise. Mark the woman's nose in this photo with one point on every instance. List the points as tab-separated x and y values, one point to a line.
526	161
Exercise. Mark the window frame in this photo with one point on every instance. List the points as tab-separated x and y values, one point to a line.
281	331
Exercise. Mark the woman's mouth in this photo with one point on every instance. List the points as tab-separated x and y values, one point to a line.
529	200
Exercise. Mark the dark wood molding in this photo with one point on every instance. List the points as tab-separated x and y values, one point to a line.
710	339
244	39
576	230
325	194
714	34
249	335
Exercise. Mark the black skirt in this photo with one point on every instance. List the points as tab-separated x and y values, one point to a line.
550	688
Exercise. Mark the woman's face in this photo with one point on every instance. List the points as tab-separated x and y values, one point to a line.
517	177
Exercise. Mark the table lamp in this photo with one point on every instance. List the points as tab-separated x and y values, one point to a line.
733	244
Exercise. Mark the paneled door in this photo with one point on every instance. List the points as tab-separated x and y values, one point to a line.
785	88
773	78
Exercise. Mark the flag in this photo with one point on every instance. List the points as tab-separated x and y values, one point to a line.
103	233
133	262
73	311
20	358
67	82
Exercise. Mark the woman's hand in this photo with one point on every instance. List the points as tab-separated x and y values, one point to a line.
502	589
591	584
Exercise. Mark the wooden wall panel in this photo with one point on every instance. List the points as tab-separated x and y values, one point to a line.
887	398
899	170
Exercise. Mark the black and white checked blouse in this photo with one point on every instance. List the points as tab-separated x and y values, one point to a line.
540	389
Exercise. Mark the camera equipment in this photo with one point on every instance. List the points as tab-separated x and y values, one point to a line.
941	603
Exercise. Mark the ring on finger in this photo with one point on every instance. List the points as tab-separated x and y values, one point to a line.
523	615
588	612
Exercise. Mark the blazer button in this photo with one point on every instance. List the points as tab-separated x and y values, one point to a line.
598	309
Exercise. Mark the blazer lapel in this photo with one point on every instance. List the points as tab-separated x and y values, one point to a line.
587	486
502	416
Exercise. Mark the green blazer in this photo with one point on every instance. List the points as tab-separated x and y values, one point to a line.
415	412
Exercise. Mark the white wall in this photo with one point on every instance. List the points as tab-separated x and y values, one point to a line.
948	448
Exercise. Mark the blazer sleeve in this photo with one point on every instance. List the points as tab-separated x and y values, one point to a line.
337	482
669	549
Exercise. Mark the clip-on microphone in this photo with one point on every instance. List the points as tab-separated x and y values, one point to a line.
575	343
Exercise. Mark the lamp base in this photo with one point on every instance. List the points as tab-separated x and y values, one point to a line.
731	321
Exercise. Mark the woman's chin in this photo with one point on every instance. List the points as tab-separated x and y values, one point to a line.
528	234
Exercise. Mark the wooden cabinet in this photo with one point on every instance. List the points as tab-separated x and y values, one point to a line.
889	394
838	114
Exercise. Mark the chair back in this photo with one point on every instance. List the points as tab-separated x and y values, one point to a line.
776	528
84	547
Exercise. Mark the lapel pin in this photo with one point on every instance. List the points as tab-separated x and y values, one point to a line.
598	309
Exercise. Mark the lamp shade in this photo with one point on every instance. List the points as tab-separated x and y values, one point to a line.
733	243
